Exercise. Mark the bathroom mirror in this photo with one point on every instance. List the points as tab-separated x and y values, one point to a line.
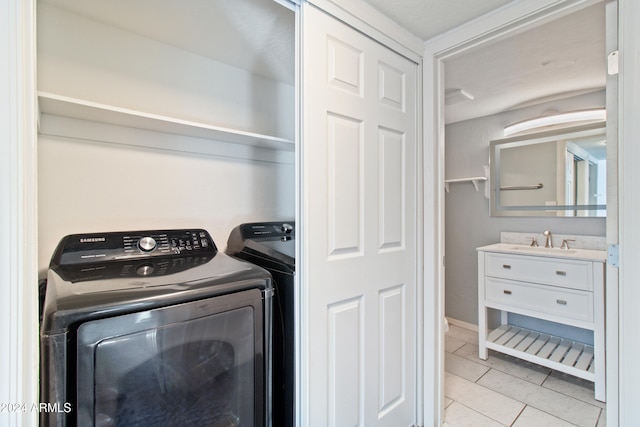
560	173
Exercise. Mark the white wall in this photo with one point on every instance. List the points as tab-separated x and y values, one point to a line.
92	61
87	186
467	221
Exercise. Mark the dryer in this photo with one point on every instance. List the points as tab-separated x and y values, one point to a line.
157	328
271	245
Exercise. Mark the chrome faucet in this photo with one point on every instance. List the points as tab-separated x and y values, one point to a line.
548	243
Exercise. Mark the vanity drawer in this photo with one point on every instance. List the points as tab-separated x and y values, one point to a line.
540	298
566	273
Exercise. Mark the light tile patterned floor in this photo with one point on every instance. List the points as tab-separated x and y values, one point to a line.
506	391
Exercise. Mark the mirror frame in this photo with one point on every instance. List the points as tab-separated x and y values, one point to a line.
573	132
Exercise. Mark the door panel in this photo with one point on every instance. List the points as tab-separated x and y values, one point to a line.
392	357
344	65
345	147
345	361
359	175
392	170
392	85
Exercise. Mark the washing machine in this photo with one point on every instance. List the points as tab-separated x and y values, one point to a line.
271	245
154	328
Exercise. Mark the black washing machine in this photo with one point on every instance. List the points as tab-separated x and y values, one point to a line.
271	245
154	328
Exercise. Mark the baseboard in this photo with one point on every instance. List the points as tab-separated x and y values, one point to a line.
462	324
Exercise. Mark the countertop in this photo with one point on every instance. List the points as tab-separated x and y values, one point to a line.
577	254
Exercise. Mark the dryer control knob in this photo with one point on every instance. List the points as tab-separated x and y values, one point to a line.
147	244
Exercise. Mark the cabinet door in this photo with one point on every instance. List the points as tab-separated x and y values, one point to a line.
359	207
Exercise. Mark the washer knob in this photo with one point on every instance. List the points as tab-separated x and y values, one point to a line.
147	244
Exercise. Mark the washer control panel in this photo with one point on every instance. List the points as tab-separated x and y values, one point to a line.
256	230
114	246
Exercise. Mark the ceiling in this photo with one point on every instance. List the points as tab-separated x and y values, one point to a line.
558	59
429	18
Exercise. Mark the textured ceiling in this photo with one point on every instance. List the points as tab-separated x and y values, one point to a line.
559	59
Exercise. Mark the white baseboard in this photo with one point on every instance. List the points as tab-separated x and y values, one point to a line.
462	324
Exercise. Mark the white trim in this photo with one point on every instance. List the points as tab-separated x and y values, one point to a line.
506	21
628	208
433	219
612	226
18	220
420	279
301	403
364	18
462	324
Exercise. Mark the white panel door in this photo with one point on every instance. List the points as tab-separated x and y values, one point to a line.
359	207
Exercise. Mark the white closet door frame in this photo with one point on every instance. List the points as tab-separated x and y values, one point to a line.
18	214
627	390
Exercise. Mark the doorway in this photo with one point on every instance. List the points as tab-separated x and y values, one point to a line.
472	37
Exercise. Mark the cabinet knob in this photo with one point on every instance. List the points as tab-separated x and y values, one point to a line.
561	273
507	266
506	291
561	302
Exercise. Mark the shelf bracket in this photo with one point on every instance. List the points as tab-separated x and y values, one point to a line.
474	180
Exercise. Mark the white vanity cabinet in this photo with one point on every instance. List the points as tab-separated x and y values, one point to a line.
561	286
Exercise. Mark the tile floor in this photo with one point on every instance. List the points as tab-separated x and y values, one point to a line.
506	391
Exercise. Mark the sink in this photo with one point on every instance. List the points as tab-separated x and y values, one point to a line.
543	250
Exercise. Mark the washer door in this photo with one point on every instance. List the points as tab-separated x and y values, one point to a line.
199	363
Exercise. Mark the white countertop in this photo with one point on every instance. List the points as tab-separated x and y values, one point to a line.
580	254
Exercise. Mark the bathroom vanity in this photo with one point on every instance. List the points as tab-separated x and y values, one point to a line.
565	286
